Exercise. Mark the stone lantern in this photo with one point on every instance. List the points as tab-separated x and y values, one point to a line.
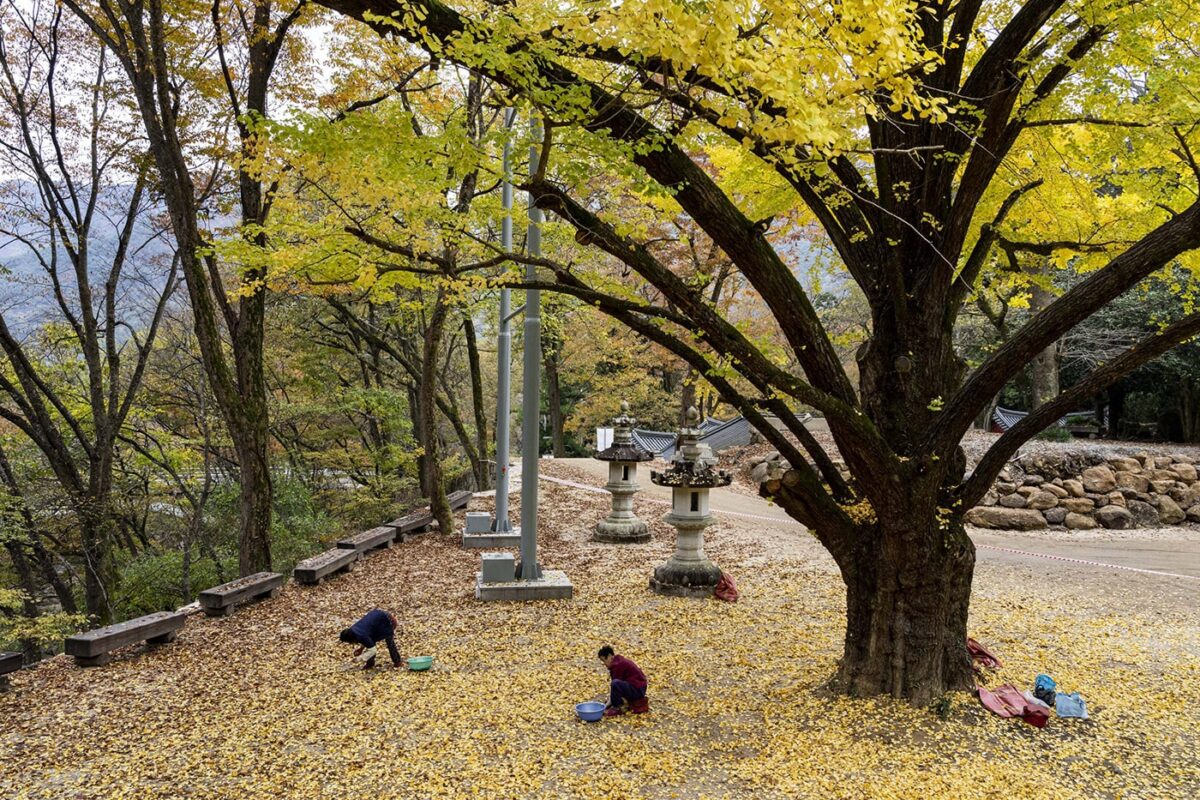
623	457
691	476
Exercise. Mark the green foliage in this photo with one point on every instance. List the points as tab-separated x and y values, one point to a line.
42	631
1055	434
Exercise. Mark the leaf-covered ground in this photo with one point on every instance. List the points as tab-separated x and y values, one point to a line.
257	705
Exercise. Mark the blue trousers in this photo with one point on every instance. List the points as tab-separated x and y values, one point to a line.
624	692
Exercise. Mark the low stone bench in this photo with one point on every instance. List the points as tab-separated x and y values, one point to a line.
312	571
92	648
9	662
220	601
382	536
460	499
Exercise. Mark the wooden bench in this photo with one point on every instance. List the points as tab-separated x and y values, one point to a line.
220	601
92	648
415	522
9	662
382	536
312	571
460	499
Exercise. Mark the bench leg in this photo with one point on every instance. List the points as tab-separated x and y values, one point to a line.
271	595
224	611
93	661
166	638
4	684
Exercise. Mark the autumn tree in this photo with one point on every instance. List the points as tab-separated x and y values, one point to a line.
908	131
194	71
77	216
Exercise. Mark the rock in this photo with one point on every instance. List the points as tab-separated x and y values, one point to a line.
1161	487
1145	497
1144	514
1057	491
1147	461
1005	487
989	499
1099	479
1182	459
1162	462
1123	464
1013	501
1078	505
1041	501
1186	472
1114	517
1005	475
1193	513
1055	516
1074	487
1164	475
999	518
1133	480
1057	481
1115	499
1079	522
1169	511
1033	480
1130	494
1027	491
1182	495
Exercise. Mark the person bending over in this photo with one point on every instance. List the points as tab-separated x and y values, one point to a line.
377	625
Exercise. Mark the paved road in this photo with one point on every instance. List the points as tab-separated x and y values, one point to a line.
1175	558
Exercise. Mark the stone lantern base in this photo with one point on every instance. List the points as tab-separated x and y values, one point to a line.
628	531
686	578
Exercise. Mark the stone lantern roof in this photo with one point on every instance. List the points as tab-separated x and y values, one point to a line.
693	464
623	448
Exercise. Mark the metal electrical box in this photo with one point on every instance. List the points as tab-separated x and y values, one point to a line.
499	568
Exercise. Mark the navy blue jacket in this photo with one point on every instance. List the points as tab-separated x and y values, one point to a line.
375	627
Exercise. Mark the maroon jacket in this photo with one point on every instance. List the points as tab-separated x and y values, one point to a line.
622	669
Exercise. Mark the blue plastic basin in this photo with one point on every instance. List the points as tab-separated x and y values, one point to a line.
420	663
590	712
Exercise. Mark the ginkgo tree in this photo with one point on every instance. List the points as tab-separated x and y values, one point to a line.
910	131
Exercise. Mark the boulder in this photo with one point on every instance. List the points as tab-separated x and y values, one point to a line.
1013	501
1114	517
1169	511
1079	522
1075	487
1124	464
1147	461
1162	462
1078	505
1164	475
1186	472
1099	479
1000	518
1041	501
1115	499
1033	480
1193	513
1056	515
1144	514
989	499
1182	459
1057	491
1183	495
1005	487
1161	487
1133	480
1027	491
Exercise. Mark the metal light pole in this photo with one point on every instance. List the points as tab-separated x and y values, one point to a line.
531	433
504	346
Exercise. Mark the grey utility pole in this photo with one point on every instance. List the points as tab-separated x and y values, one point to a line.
531	433
504	345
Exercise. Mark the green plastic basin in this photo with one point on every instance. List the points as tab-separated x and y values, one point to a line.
420	663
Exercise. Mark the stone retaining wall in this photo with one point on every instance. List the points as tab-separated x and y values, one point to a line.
1077	490
1083	492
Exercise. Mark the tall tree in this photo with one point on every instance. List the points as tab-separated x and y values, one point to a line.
78	207
156	43
907	131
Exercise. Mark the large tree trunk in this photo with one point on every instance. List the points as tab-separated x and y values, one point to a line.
554	401
1043	371
434	483
482	473
907	595
254	510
